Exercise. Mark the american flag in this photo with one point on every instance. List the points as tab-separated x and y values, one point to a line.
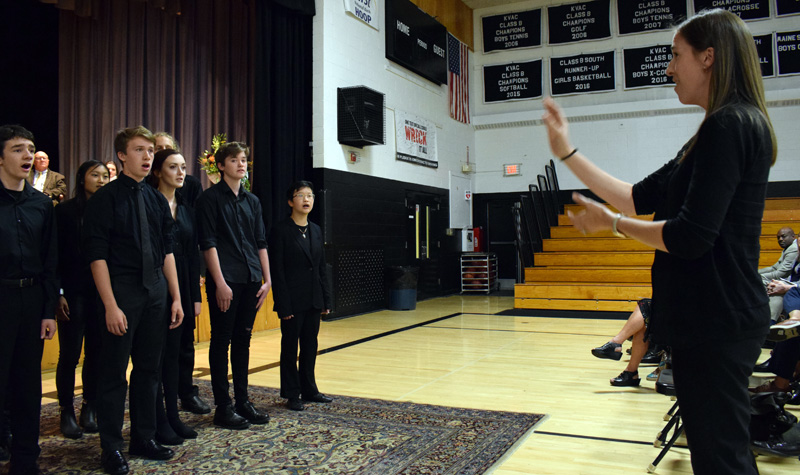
458	79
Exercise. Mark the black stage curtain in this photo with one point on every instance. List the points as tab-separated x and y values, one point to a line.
282	101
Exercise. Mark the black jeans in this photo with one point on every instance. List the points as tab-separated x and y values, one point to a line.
21	370
82	329
711	386
231	329
143	344
303	327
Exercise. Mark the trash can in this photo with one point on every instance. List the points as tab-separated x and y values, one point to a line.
402	287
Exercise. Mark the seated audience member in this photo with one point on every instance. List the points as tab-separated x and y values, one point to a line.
28	295
635	327
45	180
168	173
187	391
787	351
78	323
112	170
784	268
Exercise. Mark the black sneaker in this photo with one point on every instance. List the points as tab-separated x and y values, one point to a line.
249	412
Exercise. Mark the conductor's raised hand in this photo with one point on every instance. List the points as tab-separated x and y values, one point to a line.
557	128
594	218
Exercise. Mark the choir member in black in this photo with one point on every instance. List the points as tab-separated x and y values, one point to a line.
28	294
301	293
128	240
187	391
77	307
169	173
232	237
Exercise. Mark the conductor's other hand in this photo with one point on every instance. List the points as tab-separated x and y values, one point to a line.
595	217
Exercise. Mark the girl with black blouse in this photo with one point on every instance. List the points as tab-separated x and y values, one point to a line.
77	317
708	300
169	174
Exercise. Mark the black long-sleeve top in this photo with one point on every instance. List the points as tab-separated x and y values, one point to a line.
28	237
234	226
73	270
187	258
111	227
707	285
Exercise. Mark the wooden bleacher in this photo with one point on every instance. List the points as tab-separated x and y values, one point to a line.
603	272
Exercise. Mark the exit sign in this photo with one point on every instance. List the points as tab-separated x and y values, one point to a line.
512	169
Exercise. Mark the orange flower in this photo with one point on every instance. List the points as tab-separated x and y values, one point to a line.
211	159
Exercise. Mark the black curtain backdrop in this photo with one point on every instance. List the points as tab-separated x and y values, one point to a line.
282	101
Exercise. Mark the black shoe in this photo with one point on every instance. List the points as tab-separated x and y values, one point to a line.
775	445
626	378
114	462
166	436
69	426
651	357
249	412
88	419
608	350
180	428
762	367
227	418
295	404
150	449
319	397
194	404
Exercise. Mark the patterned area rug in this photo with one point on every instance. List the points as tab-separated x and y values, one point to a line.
349	436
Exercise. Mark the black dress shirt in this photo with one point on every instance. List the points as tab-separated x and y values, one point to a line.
111	227
233	225
28	246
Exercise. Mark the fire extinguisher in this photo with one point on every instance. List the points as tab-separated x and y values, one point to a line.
477	239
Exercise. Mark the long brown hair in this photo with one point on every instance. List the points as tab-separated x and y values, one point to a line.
736	72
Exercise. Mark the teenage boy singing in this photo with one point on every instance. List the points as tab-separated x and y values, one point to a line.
128	241
28	294
233	241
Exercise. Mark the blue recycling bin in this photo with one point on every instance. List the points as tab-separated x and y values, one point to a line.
403	287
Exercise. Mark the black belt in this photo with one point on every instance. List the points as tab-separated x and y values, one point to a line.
18	283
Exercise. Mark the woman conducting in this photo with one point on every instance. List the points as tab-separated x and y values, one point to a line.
77	309
708	300
301	293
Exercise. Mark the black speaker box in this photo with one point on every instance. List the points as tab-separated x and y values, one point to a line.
361	116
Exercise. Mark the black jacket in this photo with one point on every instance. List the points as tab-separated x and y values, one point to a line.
298	278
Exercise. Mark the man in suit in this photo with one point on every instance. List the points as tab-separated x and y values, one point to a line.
780	270
45	180
301	293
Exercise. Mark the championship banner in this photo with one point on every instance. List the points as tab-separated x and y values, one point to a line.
512	30
765	54
788	45
582	73
645	67
746	9
787	7
415	139
364	10
579	21
649	15
512	82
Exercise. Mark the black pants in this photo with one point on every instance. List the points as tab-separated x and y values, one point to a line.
186	356
711	385
21	369
303	327
784	358
231	329
142	343
82	329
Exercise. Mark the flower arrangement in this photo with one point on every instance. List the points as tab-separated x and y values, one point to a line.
209	164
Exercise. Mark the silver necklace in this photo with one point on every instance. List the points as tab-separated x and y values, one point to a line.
303	230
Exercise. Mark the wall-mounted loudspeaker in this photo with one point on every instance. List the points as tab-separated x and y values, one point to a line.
361	116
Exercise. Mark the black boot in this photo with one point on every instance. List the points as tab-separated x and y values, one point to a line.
164	433
69	426
180	428
88	418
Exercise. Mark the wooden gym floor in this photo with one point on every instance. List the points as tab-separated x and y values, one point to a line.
454	351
